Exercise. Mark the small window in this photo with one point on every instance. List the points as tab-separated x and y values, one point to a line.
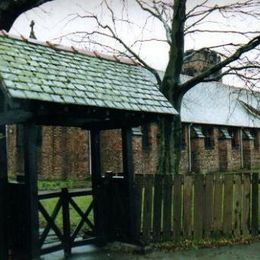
234	134
137	130
197	132
209	137
224	134
247	135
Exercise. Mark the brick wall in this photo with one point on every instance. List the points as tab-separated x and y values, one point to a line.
248	146
221	156
205	159
12	151
150	149
145	150
225	154
65	152
111	155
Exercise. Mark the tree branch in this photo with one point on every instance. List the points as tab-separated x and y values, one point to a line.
243	49
114	36
155	13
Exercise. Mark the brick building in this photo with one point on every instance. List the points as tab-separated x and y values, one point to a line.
221	127
221	132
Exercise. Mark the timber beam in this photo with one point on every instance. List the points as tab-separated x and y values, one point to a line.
15	117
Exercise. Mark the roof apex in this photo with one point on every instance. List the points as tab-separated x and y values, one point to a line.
73	49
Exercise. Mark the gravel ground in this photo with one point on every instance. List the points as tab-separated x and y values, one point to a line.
250	252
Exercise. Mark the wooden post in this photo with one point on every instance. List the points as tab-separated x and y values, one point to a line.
128	169
97	186
32	249
128	166
66	221
3	195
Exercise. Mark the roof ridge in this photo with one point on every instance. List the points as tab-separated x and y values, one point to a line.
72	49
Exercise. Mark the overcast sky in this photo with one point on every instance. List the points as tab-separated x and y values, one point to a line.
56	18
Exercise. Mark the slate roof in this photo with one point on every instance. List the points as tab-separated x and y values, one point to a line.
218	104
47	73
215	103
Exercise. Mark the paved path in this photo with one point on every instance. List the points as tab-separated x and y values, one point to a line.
241	252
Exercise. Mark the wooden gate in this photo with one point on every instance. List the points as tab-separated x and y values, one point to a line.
66	236
116	209
56	230
105	217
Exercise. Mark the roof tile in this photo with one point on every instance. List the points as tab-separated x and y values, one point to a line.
36	72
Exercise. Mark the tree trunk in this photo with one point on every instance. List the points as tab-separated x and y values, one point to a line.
170	142
170	127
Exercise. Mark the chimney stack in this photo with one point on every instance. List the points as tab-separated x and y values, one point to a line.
196	62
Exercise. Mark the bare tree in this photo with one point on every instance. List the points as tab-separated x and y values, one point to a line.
179	24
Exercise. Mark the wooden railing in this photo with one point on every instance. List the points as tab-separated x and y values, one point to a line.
67	237
196	206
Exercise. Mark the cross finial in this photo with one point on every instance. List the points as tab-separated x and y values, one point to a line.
32	34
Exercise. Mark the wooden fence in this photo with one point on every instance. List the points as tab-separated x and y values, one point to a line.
196	206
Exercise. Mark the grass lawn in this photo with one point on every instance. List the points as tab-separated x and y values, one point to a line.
59	184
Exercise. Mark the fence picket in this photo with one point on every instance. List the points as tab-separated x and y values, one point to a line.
157	210
187	206
245	217
218	202
255	203
139	203
167	207
177	207
209	187
237	206
228	205
198	206
147	215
